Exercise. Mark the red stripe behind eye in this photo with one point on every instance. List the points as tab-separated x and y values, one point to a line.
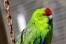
42	15
48	12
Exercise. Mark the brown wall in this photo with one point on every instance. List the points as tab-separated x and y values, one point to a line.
3	38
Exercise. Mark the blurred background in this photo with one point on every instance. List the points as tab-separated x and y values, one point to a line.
21	13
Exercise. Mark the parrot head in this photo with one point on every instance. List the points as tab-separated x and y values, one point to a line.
43	14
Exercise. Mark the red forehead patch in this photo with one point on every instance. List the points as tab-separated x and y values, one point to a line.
48	12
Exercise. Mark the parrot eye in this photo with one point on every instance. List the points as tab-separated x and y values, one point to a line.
44	14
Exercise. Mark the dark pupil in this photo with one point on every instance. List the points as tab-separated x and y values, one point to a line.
44	14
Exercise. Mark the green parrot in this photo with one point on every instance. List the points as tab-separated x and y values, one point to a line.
39	29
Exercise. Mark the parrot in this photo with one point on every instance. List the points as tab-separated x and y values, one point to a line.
39	29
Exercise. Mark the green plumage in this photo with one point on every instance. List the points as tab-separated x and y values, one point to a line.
38	29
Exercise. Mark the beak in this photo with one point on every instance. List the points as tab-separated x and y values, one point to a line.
50	17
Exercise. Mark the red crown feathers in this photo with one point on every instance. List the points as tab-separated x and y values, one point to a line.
48	12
